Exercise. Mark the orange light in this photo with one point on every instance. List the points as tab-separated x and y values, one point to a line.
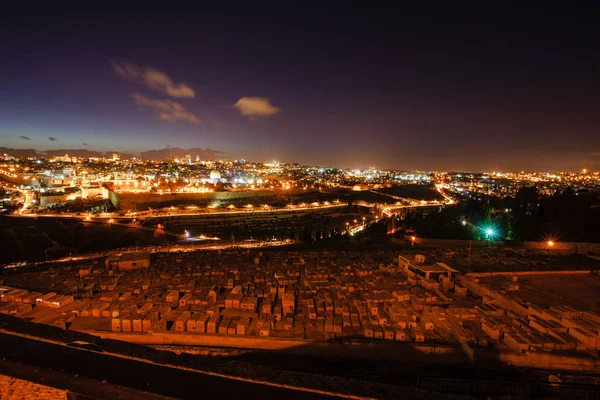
550	243
413	238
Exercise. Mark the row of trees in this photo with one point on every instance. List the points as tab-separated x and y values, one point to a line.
566	216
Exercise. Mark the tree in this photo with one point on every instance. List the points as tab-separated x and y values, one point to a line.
525	213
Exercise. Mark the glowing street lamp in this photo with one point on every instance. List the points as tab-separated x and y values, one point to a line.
463	222
550	243
490	232
186	233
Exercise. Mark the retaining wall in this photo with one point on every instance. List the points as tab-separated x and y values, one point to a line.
550	361
562	247
567	272
196	339
20	389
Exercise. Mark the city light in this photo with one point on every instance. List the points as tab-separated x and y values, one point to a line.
489	232
94	245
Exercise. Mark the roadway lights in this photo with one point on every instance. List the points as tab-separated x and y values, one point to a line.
463	222
490	233
186	233
550	243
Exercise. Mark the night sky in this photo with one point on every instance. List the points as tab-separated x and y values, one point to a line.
348	86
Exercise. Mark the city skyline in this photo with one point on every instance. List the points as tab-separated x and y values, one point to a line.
483	90
299	199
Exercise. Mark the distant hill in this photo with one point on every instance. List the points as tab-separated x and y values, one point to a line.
19	152
178	152
158	154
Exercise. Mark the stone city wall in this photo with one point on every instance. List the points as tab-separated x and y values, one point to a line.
144	201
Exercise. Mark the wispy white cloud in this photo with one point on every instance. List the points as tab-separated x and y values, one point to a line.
154	79
167	110
256	106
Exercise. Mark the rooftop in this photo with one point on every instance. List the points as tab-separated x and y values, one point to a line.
132	256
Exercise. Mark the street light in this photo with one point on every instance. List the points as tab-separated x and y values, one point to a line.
490	232
463	222
550	243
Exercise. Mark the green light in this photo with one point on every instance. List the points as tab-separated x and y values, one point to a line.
489	232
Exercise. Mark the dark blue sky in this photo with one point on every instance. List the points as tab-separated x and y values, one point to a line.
349	86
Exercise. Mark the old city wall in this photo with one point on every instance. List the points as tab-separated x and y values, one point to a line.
143	201
14	180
